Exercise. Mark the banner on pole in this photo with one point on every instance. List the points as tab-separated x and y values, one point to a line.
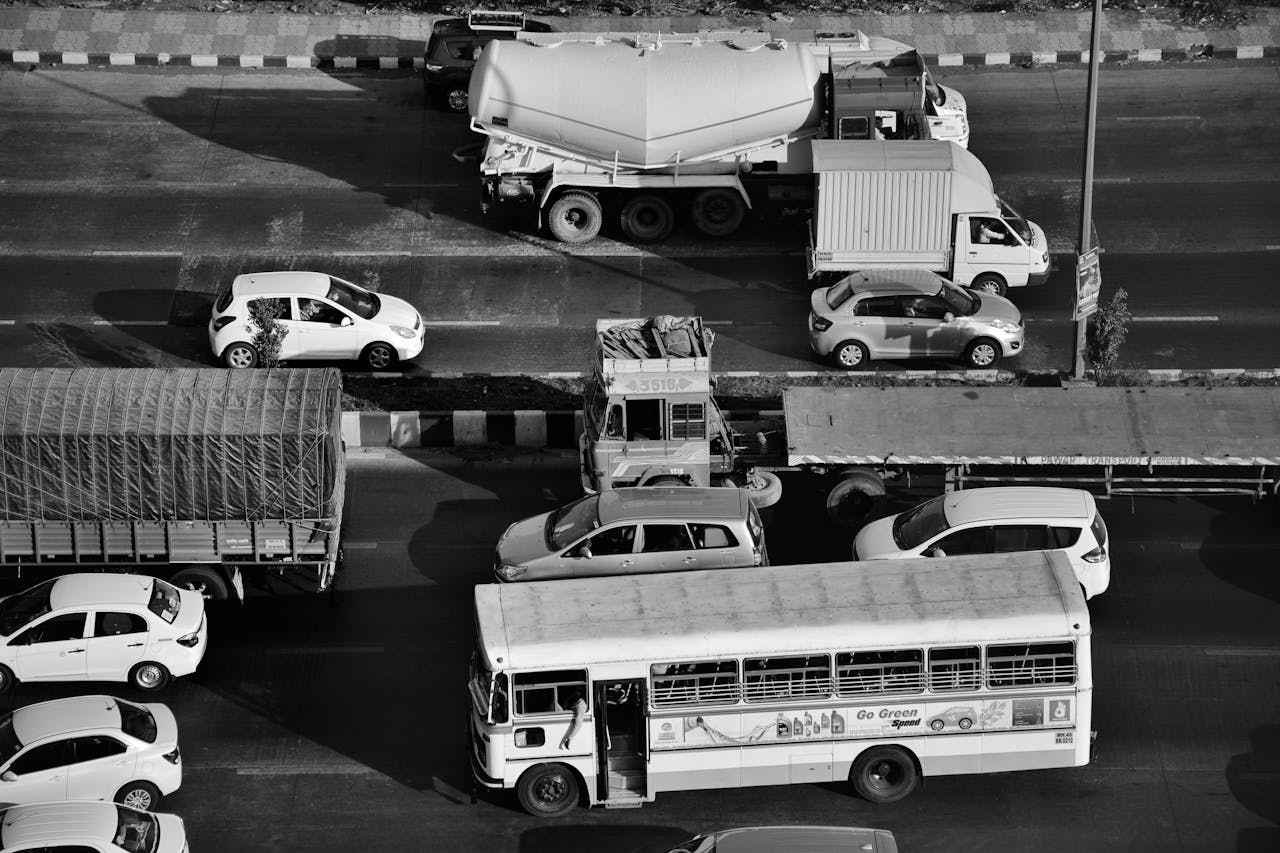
1088	283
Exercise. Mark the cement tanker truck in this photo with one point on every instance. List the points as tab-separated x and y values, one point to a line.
636	127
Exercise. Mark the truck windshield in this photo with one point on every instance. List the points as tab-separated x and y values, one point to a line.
1015	220
488	691
917	526
932	90
17	610
569	524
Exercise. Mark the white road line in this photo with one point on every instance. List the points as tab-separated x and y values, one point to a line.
1158	118
306	770
1241	651
7	322
1272	248
130	322
462	322
718	322
374	254
1096	180
1191	318
135	253
355	545
320	650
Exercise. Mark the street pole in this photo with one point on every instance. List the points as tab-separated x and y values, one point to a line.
1086	194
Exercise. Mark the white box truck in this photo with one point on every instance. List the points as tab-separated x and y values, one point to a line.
919	205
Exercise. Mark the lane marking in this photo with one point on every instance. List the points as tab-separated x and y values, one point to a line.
1190	318
384	253
1096	180
719	322
462	322
7	322
1243	651
135	253
359	545
319	650
1158	118
305	770
130	322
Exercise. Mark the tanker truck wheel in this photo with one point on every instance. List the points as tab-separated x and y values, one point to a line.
717	212
856	498
575	217
647	219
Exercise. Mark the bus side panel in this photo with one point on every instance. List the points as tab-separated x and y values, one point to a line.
694	769
1028	750
786	763
584	764
947	755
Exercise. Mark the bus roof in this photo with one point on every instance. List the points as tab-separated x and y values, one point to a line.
779	610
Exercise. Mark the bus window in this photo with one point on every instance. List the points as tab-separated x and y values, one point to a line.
550	692
1029	664
890	671
784	678
954	669
712	682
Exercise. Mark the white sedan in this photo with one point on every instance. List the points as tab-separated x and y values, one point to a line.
101	627
89	748
321	317
89	827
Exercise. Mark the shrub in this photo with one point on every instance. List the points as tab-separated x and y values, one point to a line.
268	332
1106	336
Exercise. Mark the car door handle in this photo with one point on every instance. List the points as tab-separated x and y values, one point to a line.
689	560
628	562
74	651
134	645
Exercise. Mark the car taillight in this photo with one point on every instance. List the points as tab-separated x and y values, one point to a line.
173	757
223	321
189	640
820	324
1097	555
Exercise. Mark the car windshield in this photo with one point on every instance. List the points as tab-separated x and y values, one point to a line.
839	293
9	743
697	844
917	526
18	610
136	832
137	721
357	300
165	601
569	524
961	302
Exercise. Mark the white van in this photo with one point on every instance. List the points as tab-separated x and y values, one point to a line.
996	520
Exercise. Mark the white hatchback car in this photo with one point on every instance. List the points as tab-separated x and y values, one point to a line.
324	317
89	827
101	627
89	748
997	520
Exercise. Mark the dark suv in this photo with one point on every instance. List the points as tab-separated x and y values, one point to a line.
455	46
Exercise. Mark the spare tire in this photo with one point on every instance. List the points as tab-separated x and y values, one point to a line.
855	498
764	489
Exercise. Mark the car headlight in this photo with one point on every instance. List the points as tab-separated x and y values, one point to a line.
404	332
1004	326
510	573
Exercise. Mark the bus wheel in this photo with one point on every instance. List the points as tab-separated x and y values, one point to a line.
548	790
854	500
885	774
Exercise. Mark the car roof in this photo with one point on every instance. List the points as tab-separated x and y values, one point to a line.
686	503
99	589
288	281
811	839
60	821
894	282
64	716
1014	502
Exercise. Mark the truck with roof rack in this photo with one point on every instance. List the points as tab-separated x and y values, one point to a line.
650	417
638	126
197	476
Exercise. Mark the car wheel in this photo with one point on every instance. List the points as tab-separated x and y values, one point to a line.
240	356
7	679
575	217
149	676
548	790
142	796
851	355
456	100
647	219
990	283
885	774
378	356
204	580
717	212
982	354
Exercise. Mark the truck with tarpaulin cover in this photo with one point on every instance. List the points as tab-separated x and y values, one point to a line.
199	476
638	126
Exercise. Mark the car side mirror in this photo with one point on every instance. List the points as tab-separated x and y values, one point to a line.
9	776
346	321
948	317
585	551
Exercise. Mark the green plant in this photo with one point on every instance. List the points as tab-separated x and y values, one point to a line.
268	331
1106	336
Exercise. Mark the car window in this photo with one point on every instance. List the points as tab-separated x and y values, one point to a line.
974	540
712	536
96	746
224	300
25	607
318	311
43	757
65	626
276	306
1063	537
136	832
137	721
1021	537
877	306
164	600
9	743
926	307
615	540
113	624
666	537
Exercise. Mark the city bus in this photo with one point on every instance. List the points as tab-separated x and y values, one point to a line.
607	691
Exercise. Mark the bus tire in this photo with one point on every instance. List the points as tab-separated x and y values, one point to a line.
548	790
208	582
885	774
764	489
717	212
575	217
853	500
647	218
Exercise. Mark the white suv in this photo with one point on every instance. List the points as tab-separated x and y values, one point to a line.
323	317
89	748
996	520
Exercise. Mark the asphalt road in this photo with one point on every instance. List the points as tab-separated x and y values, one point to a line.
333	722
129	197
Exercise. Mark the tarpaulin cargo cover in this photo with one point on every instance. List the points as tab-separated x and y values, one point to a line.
170	444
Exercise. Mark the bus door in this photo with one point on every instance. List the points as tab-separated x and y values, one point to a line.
622	740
